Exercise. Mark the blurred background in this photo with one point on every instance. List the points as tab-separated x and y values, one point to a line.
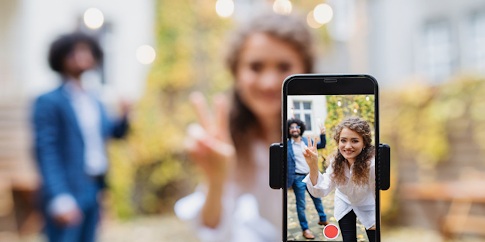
428	56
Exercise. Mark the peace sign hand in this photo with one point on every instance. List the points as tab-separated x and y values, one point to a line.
208	143
310	153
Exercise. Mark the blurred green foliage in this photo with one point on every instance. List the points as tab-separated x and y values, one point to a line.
149	169
415	121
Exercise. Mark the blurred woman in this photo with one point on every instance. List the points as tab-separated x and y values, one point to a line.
232	148
352	172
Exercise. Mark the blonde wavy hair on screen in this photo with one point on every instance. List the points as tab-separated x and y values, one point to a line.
360	176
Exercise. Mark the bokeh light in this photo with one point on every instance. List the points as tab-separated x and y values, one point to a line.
282	7
323	13
224	8
145	54
312	22
93	18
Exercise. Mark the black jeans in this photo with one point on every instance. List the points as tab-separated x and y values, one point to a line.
348	227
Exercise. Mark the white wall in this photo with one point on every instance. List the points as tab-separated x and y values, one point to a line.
9	36
395	37
38	23
319	110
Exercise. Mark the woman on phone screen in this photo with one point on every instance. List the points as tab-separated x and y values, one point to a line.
352	172
231	147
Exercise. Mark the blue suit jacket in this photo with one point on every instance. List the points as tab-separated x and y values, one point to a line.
59	148
291	157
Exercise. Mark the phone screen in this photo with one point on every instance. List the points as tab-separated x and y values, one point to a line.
340	205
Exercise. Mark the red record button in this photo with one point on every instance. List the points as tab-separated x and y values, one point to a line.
330	231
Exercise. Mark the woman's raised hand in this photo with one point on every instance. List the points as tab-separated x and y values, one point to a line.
311	157
310	153
209	142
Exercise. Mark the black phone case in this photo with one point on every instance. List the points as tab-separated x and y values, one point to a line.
278	157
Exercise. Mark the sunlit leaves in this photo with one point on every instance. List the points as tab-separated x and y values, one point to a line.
150	170
419	120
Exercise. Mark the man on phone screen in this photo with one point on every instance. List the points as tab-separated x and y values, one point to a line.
298	169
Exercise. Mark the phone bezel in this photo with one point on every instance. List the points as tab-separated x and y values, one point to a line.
315	84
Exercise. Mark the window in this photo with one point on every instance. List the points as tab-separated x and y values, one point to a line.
437	51
478	42
303	111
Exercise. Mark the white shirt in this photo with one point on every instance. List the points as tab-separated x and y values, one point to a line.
88	115
348	197
300	163
254	215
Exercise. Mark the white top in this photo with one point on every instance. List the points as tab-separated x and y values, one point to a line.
254	215
348	197
88	115
300	163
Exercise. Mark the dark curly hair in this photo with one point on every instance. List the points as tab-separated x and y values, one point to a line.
299	123
360	176
65	44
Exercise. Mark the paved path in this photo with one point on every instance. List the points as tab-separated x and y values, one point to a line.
169	228
294	230
142	229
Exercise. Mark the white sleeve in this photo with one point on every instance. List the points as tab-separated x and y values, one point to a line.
372	177
324	184
189	208
62	203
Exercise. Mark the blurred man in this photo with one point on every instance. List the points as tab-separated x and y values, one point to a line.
71	130
298	169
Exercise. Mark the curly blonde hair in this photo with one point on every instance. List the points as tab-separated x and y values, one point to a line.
360	176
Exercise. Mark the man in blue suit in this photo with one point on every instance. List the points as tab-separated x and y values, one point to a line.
298	169
71	130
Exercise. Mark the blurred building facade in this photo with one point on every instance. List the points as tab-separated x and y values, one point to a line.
27	29
429	40
399	40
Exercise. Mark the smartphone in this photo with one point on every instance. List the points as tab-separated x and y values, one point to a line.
339	114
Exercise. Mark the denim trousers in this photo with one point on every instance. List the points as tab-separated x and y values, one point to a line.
299	189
